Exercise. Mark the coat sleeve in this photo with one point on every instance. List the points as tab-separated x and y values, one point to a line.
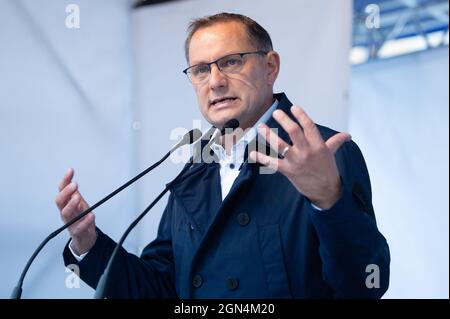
149	276
355	255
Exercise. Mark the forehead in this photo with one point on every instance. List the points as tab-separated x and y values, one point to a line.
212	42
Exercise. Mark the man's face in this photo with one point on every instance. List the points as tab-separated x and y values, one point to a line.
244	95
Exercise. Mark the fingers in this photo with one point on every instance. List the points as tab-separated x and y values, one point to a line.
312	133
336	141
265	160
64	196
310	129
83	225
66	179
272	138
75	205
71	204
66	189
83	205
292	128
71	210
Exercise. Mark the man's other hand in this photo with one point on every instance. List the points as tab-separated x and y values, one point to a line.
70	204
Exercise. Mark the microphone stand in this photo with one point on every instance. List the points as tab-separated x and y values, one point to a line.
228	127
188	138
102	284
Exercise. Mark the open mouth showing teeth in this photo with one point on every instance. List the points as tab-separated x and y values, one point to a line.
225	99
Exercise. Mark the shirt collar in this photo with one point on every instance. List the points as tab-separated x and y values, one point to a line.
237	152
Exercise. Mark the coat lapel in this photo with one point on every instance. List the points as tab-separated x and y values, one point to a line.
199	193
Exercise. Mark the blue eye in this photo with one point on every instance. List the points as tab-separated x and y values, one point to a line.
232	62
200	69
204	69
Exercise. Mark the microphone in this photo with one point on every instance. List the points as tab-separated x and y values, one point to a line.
189	138
229	126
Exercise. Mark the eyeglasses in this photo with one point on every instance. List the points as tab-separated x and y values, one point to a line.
228	64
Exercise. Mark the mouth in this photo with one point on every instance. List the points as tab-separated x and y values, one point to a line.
222	101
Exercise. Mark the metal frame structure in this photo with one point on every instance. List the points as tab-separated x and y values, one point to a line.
397	19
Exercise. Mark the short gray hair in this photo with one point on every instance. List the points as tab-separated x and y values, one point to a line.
257	35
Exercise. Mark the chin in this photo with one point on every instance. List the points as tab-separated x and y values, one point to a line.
219	121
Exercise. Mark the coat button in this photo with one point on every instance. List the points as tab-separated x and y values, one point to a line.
243	219
197	281
232	283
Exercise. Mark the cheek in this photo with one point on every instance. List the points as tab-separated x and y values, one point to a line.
257	86
202	98
256	80
260	78
201	93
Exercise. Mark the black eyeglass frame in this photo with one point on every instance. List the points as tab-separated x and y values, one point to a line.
242	54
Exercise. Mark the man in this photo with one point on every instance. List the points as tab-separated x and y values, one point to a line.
228	231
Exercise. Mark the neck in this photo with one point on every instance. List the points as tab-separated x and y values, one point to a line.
228	140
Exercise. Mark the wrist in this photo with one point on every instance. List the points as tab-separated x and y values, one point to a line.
330	199
81	246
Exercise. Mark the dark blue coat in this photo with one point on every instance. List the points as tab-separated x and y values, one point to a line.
265	240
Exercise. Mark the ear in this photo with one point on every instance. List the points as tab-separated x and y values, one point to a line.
273	67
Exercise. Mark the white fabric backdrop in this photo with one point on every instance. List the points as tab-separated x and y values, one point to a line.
399	117
64	102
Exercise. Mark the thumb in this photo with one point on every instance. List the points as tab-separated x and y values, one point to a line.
336	141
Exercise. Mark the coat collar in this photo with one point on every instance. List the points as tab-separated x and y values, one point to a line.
284	105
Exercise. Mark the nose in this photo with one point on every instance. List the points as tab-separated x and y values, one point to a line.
216	79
